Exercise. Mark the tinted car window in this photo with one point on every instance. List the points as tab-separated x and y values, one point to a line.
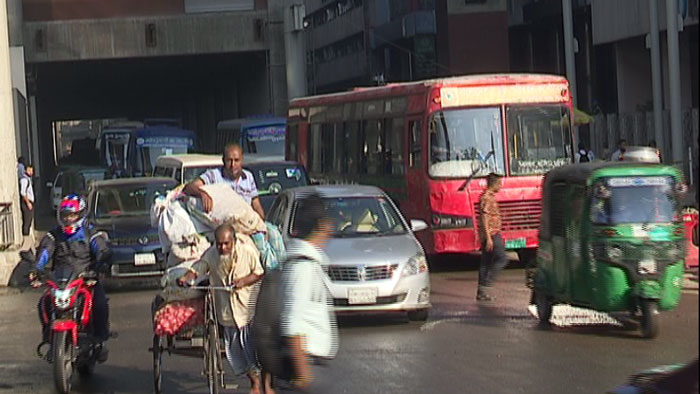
273	178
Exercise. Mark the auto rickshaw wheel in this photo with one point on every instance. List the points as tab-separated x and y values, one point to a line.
650	318
544	307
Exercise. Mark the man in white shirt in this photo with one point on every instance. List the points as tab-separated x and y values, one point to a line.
308	321
26	194
233	174
621	148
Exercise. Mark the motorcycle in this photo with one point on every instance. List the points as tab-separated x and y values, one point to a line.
66	310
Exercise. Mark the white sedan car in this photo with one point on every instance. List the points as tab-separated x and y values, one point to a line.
376	263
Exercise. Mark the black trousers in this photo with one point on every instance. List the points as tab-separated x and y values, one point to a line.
492	262
27	217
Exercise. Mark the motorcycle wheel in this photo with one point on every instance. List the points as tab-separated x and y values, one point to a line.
212	358
62	363
157	362
650	319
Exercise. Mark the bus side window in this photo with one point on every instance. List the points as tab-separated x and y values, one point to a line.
159	171
415	146
178	175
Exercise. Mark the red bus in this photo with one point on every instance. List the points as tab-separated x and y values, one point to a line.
429	144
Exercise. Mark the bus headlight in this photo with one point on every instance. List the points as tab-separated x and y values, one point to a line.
415	265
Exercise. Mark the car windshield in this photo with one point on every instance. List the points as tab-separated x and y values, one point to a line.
634	200
127	200
273	178
539	138
466	142
361	216
192	173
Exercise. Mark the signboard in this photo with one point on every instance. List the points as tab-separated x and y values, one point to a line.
639	181
164	141
273	133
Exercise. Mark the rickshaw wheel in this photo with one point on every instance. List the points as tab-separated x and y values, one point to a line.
212	358
157	362
544	307
650	319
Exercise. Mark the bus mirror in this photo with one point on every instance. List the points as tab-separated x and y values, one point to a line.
681	188
418	225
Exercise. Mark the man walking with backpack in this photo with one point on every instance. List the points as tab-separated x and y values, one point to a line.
583	155
294	322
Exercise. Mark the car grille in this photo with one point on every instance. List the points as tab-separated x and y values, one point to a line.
360	273
517	215
380	300
130	270
152	238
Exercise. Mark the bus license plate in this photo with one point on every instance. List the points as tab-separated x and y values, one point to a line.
144	259
366	295
517	243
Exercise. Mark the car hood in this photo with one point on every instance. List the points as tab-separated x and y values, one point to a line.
129	226
374	250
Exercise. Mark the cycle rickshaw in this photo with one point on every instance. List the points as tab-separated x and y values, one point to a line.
199	338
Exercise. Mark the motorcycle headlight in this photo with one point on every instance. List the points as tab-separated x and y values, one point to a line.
614	252
61	297
415	265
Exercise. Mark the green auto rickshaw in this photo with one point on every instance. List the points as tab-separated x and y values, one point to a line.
611	239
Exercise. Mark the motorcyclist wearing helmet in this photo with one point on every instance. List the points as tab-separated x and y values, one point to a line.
72	242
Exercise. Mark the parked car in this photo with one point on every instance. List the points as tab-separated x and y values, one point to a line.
376	263
121	208
185	167
74	179
271	177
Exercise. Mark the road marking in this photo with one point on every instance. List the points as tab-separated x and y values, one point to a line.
430	325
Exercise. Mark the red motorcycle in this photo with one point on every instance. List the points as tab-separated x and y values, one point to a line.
66	310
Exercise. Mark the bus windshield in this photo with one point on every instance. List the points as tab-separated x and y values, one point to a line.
466	142
151	148
116	150
266	140
539	138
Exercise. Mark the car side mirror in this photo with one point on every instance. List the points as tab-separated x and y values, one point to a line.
418	225
49	184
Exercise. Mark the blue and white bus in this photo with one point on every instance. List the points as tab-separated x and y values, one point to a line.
258	136
134	152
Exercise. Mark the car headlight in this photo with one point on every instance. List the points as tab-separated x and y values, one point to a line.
415	265
61	297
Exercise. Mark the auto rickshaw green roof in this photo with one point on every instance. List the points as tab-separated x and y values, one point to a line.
586	173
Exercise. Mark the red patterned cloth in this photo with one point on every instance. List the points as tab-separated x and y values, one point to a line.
178	315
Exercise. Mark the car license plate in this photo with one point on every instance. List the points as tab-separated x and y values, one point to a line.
144	259
517	243
367	295
647	267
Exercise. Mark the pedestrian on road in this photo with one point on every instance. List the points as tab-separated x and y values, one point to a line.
584	155
26	193
233	261
493	251
652	144
621	148
308	322
233	174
